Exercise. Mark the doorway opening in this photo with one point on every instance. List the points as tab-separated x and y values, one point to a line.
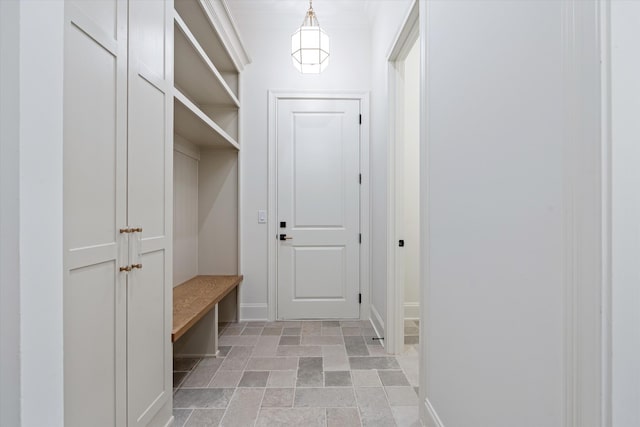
403	252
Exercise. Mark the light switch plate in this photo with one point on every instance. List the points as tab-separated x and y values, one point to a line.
262	217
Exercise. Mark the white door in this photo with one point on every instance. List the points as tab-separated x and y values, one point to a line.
318	189
150	207
95	160
117	177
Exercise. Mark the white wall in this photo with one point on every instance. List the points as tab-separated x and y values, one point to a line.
411	183
386	24
268	39
625	115
41	316
218	212
495	191
185	211
9	215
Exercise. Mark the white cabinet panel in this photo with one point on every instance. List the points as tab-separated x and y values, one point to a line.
94	209
147	158
94	346
117	175
150	207
147	31
148	385
103	13
91	147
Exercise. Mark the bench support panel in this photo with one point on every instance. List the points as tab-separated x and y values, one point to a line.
201	340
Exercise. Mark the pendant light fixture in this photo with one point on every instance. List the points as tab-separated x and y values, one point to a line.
310	45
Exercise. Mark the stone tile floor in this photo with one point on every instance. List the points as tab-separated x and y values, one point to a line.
310	373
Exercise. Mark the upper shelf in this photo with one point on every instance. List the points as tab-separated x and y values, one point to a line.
214	28
194	125
195	74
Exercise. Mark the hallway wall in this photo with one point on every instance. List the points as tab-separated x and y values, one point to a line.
511	256
387	19
625	106
31	306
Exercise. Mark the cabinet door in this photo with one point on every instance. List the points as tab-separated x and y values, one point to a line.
150	166
95	116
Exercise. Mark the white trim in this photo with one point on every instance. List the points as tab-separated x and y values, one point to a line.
412	310
378	323
585	239
249	312
365	194
433	419
199	355
272	200
180	146
606	176
407	35
221	19
409	32
240	161
425	215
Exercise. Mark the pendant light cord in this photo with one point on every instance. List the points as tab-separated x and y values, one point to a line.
310	19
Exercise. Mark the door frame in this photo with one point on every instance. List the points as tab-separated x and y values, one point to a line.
272	191
403	42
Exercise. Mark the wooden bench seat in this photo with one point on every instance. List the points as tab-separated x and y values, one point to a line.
194	298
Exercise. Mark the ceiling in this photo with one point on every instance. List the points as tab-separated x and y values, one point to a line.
341	12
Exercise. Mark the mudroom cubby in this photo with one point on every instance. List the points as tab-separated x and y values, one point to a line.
208	59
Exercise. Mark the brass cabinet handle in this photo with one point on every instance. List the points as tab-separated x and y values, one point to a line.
131	230
136	266
127	268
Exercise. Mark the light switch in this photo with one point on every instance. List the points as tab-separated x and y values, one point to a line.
262	217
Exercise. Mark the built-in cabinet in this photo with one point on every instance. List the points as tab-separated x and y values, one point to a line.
127	128
208	60
118	162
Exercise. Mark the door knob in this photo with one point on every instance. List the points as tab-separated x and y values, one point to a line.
284	237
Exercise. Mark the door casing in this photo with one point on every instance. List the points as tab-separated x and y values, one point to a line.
365	194
394	323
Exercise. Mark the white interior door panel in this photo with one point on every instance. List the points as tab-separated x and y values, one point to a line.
319	200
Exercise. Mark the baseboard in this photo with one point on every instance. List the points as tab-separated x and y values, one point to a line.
195	355
377	322
432	417
258	312
412	311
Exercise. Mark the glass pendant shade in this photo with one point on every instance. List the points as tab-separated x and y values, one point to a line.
310	46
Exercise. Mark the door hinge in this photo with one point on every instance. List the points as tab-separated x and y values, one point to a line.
360	238
360	118
360	178
359	298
